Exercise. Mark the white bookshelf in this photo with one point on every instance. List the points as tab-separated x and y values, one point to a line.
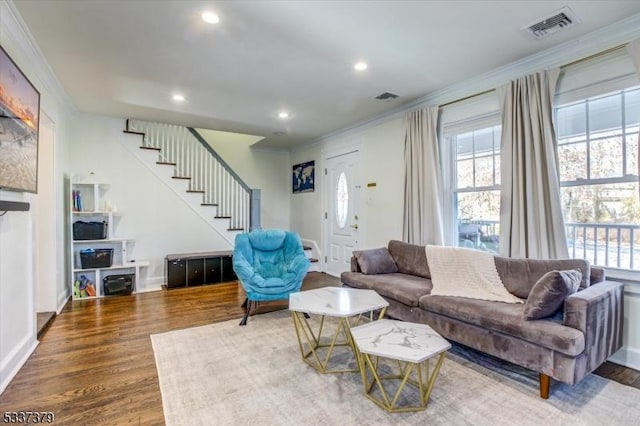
95	207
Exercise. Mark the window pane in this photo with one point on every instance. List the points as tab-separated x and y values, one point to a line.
478	220
616	208
632	154
484	171
465	174
572	120
610	203
606	158
572	161
483	141
632	107
342	201
464	145
605	113
496	161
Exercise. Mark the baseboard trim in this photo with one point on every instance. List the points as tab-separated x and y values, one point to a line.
629	357
149	289
16	359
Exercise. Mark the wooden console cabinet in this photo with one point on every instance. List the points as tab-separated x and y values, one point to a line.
192	269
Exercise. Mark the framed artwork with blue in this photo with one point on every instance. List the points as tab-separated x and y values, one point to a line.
303	177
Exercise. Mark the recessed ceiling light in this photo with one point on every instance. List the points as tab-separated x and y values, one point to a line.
279	133
360	66
178	97
283	114
210	17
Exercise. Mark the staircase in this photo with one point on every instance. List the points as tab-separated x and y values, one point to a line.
186	163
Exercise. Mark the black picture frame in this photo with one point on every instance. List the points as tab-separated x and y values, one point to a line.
303	177
19	128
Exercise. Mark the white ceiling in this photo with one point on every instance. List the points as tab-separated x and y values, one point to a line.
126	58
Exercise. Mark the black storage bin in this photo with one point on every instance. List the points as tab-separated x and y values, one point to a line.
118	284
98	258
89	230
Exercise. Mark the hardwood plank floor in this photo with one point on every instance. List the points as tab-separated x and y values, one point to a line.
95	363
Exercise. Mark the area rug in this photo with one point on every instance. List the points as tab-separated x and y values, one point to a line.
223	374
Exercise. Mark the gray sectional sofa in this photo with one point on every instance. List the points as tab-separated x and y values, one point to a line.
566	346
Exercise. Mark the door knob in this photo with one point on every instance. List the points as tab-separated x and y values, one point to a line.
354	226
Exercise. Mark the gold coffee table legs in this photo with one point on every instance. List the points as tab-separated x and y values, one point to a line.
423	381
311	345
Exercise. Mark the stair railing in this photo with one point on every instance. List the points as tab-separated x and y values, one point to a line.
208	172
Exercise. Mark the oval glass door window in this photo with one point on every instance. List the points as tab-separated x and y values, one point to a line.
342	201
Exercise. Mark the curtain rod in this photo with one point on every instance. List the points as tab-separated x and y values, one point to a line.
577	61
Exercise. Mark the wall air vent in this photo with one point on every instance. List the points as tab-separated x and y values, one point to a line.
387	96
559	20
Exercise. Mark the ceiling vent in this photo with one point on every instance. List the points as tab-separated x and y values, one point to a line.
387	96
559	20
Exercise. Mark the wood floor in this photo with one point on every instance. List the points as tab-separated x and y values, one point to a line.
95	363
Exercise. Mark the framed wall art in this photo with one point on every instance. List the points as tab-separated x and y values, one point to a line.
303	177
19	125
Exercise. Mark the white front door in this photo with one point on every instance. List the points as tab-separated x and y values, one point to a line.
341	215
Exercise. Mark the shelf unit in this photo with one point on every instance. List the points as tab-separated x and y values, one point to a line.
95	207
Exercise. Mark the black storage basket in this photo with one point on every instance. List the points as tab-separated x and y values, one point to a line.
89	230
98	258
118	284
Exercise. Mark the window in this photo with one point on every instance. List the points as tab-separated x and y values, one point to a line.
475	165
342	200
598	164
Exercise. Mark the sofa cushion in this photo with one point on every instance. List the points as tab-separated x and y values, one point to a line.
375	261
406	289
548	294
508	319
410	258
519	275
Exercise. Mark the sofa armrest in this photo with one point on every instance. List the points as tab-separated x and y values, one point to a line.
597	311
354	265
597	275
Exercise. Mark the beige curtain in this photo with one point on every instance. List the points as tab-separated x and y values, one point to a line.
531	222
423	189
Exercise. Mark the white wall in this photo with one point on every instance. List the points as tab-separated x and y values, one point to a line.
148	210
267	170
20	237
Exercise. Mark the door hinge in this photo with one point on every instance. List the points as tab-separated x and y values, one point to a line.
325	171
325	215
325	259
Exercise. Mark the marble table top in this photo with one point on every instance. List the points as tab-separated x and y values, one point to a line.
404	341
336	301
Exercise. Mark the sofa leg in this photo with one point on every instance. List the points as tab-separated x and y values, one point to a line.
545	384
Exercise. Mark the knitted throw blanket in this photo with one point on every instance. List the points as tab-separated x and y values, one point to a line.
468	273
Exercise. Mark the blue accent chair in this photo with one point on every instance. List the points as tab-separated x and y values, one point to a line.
270	264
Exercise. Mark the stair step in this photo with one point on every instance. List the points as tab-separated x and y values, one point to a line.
150	148
235	229
209	204
180	177
44	320
222	217
313	260
306	248
196	191
166	163
133	133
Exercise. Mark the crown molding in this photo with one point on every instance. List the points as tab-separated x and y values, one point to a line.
32	57
612	35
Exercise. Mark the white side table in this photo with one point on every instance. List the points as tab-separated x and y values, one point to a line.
408	345
341	303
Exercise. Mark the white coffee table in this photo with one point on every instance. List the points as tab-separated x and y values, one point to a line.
347	305
408	345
